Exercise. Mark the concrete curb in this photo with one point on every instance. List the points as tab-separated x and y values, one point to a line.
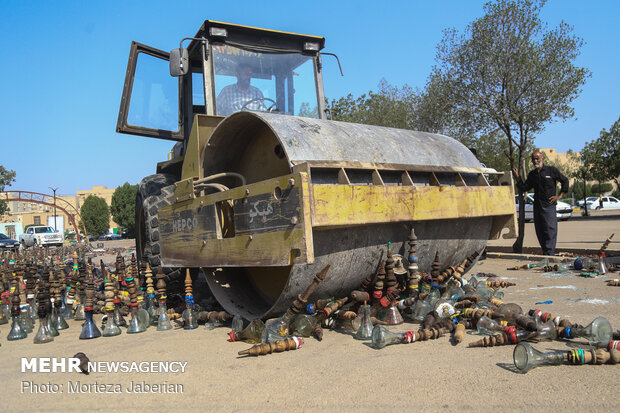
528	257
535	251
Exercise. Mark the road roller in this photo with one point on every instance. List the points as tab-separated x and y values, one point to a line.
262	189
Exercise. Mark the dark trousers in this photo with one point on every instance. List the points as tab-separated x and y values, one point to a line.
546	224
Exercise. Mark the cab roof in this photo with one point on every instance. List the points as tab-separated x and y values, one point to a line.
255	37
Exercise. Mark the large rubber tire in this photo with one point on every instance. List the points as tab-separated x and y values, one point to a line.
154	192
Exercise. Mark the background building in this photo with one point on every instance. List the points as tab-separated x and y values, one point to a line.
22	213
568	163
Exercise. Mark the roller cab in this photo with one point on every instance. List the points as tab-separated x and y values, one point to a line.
261	191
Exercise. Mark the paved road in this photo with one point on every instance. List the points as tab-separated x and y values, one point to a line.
577	233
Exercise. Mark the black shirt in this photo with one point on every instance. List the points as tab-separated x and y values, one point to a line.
544	184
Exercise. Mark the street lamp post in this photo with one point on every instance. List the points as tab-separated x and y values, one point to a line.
54	190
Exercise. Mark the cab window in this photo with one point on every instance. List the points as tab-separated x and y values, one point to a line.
266	82
154	96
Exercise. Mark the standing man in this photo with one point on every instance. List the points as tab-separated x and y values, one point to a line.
543	179
240	95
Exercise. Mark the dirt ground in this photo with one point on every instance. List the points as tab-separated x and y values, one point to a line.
339	373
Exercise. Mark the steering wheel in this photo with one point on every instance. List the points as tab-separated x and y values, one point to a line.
272	108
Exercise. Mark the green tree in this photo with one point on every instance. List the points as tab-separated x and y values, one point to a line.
601	188
95	215
581	191
602	155
508	73
7	176
389	106
123	207
577	189
306	112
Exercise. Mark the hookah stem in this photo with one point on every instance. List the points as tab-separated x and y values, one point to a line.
606	243
302	299
261	349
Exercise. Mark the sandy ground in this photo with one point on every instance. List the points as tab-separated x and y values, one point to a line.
339	372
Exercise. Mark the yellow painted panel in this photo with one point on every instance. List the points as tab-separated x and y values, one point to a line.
184	190
335	205
273	248
272	229
201	131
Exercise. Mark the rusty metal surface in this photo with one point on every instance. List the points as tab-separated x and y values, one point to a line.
263	146
306	139
353	253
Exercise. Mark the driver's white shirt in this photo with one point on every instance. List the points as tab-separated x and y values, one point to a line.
232	99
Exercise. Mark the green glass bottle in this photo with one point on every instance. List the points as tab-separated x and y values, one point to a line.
251	334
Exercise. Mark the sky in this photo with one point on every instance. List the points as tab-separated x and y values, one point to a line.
64	62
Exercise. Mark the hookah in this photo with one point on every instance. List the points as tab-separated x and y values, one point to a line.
213	319
382	337
46	282
135	326
251	334
510	335
277	328
24	316
412	268
306	325
30	298
389	312
71	290
287	344
599	331
89	329
525	357
111	328
163	320
488	326
4	306
143	315
58	320
17	332
189	314
236	324
364	332
119	320
44	335
79	313
151	308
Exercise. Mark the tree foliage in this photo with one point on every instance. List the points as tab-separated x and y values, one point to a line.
591	190
506	73
389	106
602	155
95	215
7	177
123	207
307	112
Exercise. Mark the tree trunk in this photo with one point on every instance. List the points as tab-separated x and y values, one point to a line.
517	247
585	206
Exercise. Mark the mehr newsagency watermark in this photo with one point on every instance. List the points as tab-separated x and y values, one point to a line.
78	386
